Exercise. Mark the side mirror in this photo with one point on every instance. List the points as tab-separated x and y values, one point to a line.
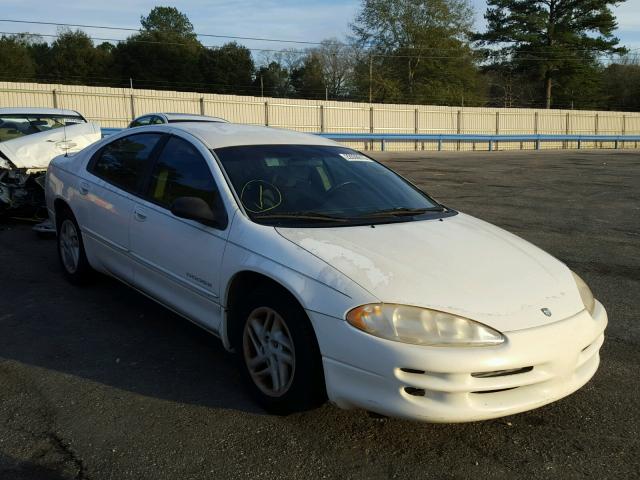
195	208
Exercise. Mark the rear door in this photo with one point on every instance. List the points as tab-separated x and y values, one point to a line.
116	175
178	260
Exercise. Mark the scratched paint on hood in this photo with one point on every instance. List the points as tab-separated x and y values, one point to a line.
460	265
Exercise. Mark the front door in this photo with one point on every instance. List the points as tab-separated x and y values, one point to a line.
178	260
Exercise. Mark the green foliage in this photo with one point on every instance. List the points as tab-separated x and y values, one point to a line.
308	79
168	21
402	51
273	80
621	85
416	51
228	69
164	54
15	58
556	42
73	57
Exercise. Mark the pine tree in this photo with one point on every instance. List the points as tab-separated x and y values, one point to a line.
554	40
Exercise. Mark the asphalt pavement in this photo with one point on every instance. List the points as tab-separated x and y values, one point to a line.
102	383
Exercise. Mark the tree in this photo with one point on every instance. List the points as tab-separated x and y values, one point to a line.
15	58
621	84
552	39
169	21
337	60
416	51
227	69
273	80
164	54
308	79
74	59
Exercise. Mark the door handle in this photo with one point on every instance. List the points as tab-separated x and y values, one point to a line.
84	188
139	216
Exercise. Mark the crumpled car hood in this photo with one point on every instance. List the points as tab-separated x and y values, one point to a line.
460	265
37	150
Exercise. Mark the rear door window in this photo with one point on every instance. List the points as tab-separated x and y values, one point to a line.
123	162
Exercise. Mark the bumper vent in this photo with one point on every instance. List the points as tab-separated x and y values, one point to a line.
501	373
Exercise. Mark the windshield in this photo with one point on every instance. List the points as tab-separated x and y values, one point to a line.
18	125
308	184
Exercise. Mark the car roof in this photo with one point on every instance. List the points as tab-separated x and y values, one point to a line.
185	117
38	111
219	135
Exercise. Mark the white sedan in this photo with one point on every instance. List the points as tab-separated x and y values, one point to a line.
326	273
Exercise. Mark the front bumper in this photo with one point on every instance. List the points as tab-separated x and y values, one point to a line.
532	368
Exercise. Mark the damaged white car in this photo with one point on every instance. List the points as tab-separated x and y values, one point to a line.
29	139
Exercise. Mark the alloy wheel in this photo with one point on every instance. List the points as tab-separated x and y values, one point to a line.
269	352
69	245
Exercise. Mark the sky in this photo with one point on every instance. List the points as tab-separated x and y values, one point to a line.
305	20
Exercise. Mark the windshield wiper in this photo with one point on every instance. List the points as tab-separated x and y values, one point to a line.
312	216
401	211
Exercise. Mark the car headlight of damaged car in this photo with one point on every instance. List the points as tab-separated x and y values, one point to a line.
585	294
421	326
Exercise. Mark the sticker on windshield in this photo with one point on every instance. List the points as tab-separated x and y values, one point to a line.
355	157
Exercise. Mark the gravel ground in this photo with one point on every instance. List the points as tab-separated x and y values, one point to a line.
101	383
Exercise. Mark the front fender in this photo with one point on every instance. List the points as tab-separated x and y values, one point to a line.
316	285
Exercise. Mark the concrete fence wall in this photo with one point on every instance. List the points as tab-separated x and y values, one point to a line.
115	107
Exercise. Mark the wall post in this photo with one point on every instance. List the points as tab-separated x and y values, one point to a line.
497	129
371	128
322	125
54	94
459	127
202	112
266	114
416	127
133	105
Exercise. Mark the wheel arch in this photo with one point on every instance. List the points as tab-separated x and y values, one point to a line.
239	285
59	205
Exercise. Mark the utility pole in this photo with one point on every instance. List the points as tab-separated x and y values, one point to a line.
370	78
326	93
261	87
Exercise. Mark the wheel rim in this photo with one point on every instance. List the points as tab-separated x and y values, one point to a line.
268	351
69	245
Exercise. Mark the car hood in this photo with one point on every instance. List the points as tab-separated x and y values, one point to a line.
460	264
36	151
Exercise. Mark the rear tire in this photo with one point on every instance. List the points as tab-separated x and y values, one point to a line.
278	353
71	253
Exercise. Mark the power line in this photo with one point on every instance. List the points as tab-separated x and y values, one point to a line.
129	29
236	37
303	52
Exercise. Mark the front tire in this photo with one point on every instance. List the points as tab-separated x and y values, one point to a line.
278	353
71	253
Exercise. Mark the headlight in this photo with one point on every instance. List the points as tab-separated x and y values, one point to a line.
585	294
420	326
